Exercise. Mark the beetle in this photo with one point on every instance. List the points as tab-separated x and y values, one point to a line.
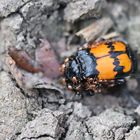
99	66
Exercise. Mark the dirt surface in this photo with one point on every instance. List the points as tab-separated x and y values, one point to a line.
34	106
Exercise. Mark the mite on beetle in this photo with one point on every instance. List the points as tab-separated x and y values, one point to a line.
101	65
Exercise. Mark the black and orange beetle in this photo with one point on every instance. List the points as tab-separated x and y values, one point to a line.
99	66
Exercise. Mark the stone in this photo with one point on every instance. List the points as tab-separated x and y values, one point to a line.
9	27
110	124
81	111
79	9
138	110
10	6
134	134
77	131
13	107
47	125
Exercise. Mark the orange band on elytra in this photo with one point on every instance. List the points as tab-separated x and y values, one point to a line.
106	67
125	62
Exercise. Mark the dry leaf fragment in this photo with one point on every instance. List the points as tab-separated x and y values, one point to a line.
23	61
46	58
28	80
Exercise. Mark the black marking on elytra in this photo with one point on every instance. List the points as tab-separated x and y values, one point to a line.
110	45
95	72
118	69
115	54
